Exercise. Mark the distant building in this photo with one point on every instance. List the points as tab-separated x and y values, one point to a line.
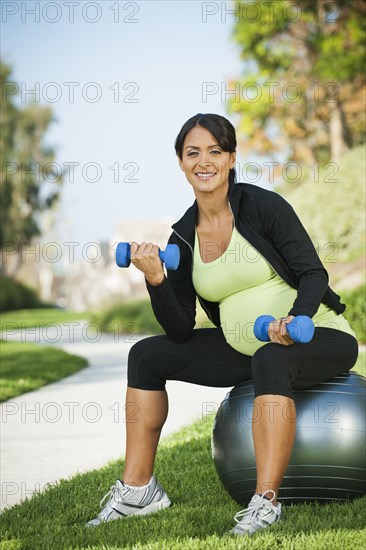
93	282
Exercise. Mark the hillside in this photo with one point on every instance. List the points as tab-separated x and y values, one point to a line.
333	212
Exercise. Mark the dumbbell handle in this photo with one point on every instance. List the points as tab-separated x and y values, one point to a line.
170	256
301	329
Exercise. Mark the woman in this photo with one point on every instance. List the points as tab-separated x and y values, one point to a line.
244	253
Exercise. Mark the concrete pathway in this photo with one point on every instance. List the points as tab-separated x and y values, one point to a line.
78	424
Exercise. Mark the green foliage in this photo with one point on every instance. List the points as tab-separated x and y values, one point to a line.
14	295
135	317
360	365
332	208
26	367
199	518
138	318
30	180
356	310
335	62
321	57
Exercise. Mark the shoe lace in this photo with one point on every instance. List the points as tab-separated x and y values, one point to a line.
110	494
253	507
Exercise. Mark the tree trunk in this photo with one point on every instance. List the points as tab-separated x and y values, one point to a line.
338	144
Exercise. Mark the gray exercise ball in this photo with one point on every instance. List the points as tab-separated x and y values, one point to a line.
328	460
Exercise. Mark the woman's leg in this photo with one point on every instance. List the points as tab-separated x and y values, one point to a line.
205	359
273	437
278	369
149	410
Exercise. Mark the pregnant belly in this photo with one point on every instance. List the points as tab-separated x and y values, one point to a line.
239	311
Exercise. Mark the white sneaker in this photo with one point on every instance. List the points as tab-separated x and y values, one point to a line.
127	501
260	514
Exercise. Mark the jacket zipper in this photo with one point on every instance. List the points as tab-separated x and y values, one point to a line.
191	249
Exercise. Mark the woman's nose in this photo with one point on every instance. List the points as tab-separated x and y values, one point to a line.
204	161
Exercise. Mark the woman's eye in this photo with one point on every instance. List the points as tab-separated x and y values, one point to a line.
192	153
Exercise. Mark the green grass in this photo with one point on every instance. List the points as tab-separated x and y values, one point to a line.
200	515
28	318
26	367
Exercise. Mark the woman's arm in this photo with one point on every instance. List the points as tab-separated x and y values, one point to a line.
174	299
292	241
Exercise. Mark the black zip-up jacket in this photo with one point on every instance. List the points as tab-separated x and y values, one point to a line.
269	223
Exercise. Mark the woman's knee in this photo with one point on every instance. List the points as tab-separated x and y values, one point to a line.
265	360
143	365
270	370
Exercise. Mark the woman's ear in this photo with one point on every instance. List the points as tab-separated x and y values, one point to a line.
180	164
232	159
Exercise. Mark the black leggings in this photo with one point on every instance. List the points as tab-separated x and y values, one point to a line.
207	359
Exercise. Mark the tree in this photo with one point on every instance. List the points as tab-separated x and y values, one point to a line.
30	179
303	87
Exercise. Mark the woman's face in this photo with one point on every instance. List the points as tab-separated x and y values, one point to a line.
204	163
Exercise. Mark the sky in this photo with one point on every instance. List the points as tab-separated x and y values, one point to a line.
121	78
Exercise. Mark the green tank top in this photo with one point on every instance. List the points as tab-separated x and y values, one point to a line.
246	286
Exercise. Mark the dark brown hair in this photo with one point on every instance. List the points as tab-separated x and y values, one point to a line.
220	128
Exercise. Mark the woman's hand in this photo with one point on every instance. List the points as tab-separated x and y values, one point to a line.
277	331
146	258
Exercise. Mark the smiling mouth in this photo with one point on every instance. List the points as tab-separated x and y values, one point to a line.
205	175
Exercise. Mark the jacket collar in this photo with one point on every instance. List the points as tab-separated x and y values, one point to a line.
186	225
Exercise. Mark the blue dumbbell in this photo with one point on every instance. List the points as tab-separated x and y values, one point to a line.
301	329
171	255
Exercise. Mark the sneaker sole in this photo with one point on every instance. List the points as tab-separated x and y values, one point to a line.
153	507
150	509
